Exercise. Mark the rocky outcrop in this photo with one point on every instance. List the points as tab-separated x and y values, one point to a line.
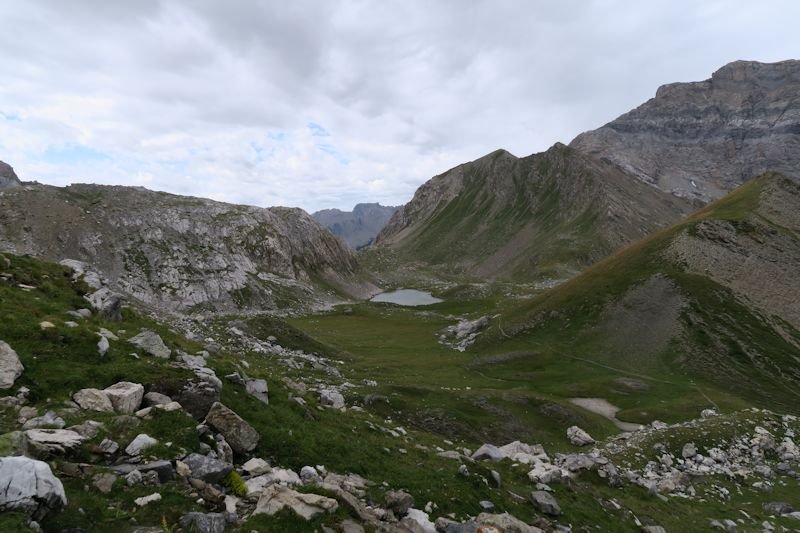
10	366
702	139
8	178
182	253
29	486
359	227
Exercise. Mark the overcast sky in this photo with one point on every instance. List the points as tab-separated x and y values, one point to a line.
327	103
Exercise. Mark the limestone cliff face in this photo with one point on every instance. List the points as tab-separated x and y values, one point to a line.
182	253
8	178
358	227
703	139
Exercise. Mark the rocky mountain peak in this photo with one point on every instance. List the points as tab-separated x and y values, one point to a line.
8	178
702	139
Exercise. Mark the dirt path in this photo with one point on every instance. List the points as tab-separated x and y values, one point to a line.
605	409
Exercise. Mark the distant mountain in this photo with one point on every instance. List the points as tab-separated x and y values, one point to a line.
8	178
501	216
181	253
358	227
703	139
714	298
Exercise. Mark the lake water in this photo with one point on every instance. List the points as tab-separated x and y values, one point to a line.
406	297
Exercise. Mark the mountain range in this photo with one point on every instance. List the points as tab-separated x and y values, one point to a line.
359	227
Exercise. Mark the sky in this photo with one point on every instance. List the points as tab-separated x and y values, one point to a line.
327	103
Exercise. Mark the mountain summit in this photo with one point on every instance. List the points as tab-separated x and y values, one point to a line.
703	139
8	178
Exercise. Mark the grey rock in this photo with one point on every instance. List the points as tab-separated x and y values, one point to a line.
579	437
48	420
399	502
256	466
29	486
506	523
258	389
778	508
488	452
141	442
87	429
104	482
108	447
239	434
486	506
151	343
107	303
10	366
162	468
204	522
332	399
155	398
207	468
46	442
126	397
689	450
349	526
545	502
197	396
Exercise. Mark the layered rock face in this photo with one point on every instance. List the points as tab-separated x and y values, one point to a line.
181	253
703	139
8	178
358	227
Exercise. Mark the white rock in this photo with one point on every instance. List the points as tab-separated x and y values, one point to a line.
579	437
331	399
102	346
126	397
10	366
139	443
151	343
29	486
144	500
53	441
93	400
256	466
277	497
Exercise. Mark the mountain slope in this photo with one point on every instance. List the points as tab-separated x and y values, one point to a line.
703	139
507	217
182	253
359	227
712	300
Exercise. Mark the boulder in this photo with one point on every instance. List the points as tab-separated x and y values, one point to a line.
277	497
545	502
107	303
46	442
418	522
150	342
239	434
332	399
162	468
29	486
197	396
104	482
258	389
10	367
489	452
399	502
203	522
93	400
139	443
207	468
579	437
48	420
689	450
156	398
256	466
126	397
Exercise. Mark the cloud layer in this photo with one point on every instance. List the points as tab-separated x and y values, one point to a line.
327	103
